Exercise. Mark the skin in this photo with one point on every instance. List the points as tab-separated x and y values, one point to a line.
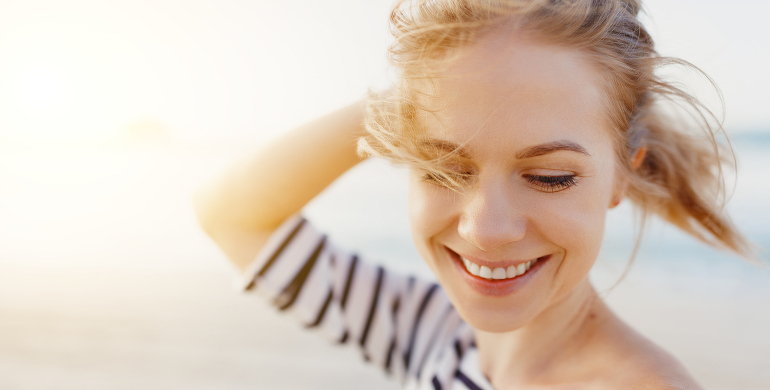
286	174
525	95
503	98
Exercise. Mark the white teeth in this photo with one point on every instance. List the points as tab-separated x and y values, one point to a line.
499	272
474	269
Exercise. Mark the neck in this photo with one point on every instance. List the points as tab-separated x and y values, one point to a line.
540	351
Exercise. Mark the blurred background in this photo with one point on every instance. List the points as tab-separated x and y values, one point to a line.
113	112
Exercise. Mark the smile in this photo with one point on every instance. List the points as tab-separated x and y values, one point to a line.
496	281
497	273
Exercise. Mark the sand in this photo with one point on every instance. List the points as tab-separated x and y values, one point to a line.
111	328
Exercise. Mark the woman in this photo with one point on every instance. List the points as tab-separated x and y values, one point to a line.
522	123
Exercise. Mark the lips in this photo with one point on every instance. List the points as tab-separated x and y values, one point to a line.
487	283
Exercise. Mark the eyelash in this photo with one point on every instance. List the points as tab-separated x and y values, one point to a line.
552	183
543	183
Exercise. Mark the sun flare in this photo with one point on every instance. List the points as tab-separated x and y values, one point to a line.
62	83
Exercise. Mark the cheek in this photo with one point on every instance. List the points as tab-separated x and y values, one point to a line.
432	210
575	223
582	226
579	216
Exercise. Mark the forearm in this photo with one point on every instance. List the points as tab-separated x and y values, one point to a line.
247	203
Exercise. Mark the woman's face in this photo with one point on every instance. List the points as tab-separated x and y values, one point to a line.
533	134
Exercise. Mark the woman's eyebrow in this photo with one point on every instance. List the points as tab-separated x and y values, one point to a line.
532	151
550	147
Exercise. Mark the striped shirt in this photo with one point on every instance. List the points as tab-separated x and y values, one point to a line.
402	324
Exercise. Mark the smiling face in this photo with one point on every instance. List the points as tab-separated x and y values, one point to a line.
538	175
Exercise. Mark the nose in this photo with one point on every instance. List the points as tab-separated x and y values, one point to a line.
491	219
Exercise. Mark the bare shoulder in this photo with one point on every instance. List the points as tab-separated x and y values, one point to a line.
641	364
652	371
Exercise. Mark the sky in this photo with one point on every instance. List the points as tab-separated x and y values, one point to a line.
205	71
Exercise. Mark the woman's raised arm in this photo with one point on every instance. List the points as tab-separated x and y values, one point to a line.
245	205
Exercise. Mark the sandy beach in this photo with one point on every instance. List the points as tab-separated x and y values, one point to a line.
119	289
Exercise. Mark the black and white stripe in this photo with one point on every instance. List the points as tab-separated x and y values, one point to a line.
403	324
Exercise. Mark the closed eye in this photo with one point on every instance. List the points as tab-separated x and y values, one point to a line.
551	183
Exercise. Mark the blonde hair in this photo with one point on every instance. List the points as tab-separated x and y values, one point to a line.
680	178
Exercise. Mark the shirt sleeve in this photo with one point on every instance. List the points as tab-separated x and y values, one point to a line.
395	320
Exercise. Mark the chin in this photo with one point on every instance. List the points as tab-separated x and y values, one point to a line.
497	315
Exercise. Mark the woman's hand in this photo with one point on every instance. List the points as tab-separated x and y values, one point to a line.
242	208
